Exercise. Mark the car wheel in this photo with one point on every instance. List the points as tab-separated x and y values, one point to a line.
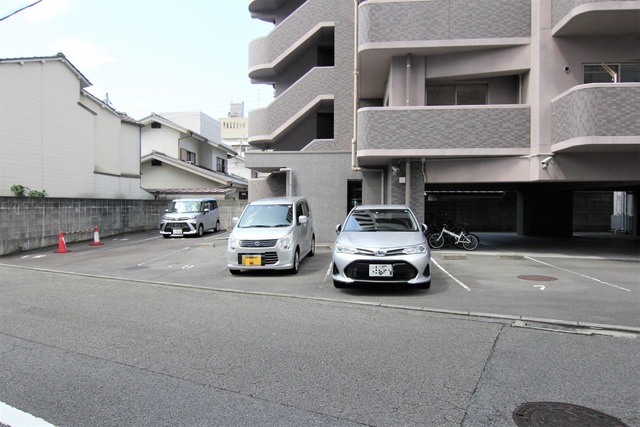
436	241
472	244
217	227
200	230
312	251
234	272
339	285
296	262
166	236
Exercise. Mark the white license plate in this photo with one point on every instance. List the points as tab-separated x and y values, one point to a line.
380	270
177	231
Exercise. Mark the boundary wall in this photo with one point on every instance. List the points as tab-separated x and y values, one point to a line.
32	223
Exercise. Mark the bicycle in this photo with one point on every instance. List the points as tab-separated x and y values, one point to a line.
468	241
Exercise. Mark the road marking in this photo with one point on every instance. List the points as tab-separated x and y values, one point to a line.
328	273
450	275
578	274
542	287
15	417
163	256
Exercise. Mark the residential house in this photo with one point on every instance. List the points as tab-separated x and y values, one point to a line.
519	103
58	138
178	162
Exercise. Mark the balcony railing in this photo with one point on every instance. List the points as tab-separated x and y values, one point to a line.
266	124
487	130
588	116
294	34
594	17
443	20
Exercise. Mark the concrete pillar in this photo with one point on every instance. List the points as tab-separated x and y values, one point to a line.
542	212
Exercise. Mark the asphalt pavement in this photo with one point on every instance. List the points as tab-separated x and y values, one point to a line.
150	331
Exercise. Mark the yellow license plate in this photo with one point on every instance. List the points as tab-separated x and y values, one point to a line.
251	260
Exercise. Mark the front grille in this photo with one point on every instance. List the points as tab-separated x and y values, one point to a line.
359	270
171	225
258	243
268	258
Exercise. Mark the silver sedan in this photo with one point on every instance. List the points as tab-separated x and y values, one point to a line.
381	244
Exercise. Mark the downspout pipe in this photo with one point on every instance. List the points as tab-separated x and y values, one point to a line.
289	180
356	74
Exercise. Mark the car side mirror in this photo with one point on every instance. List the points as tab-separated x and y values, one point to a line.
206	210
425	228
338	228
303	219
234	221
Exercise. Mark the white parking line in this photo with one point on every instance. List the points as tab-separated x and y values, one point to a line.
15	417
449	274
578	274
163	256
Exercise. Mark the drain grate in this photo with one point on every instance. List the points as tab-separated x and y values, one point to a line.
537	278
557	414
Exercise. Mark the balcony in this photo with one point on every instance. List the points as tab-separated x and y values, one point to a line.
270	55
597	118
470	131
311	94
273	10
595	17
430	28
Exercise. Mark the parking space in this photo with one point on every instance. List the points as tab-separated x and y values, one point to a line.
587	279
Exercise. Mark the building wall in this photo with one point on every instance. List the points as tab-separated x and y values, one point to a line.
34	223
198	122
321	178
57	139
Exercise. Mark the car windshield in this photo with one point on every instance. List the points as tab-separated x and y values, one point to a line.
184	206
380	220
266	216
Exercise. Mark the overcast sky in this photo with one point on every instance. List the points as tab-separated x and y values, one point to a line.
148	55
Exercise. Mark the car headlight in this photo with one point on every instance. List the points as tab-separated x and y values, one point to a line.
232	244
284	243
344	249
417	249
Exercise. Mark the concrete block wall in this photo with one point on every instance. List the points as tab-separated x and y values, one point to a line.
32	223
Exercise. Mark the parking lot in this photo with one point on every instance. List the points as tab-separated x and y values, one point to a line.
590	279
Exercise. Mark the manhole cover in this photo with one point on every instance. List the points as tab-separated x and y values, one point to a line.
554	414
537	278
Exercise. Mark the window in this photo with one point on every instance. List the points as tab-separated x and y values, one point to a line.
156	125
221	165
457	94
354	194
611	73
187	156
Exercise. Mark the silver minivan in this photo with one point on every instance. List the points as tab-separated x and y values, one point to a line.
193	217
273	234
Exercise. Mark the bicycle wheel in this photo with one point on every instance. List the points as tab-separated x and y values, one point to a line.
436	241
472	242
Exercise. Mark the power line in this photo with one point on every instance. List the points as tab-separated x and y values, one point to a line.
20	10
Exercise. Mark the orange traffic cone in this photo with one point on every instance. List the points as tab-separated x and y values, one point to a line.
62	246
96	237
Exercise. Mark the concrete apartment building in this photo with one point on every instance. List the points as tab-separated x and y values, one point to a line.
393	101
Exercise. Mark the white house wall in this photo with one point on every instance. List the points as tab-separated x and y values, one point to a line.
167	176
130	149
49	132
55	139
162	140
